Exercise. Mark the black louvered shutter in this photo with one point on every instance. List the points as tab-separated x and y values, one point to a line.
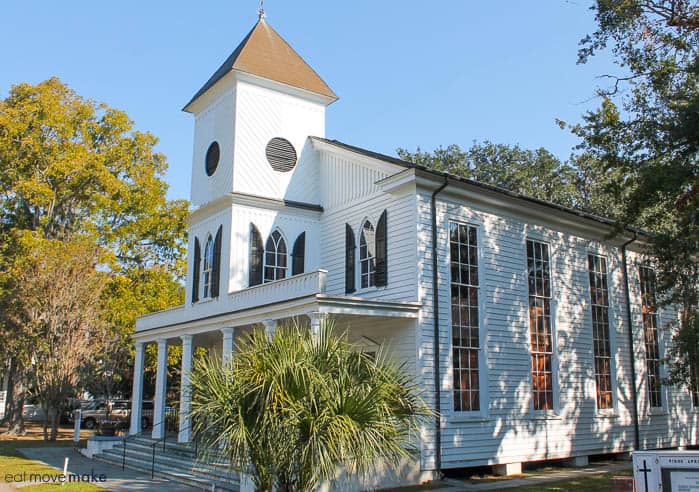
350	248
216	273
195	270
381	252
256	253
298	254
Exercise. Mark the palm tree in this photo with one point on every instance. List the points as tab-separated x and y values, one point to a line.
295	406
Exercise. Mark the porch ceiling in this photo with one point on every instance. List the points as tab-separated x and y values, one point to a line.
318	303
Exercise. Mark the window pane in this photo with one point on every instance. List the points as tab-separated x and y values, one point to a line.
650	335
540	332
464	304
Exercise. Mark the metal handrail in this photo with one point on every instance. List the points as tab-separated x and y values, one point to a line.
138	434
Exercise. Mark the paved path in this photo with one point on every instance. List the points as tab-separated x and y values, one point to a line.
466	485
116	479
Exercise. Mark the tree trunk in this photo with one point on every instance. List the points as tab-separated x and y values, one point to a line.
54	417
15	418
7	386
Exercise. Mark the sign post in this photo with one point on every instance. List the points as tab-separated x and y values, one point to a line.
3	402
77	417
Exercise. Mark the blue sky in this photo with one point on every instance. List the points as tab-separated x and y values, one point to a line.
408	73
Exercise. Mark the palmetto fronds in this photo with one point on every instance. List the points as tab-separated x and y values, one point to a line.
295	406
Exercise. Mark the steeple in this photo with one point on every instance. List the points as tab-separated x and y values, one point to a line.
264	53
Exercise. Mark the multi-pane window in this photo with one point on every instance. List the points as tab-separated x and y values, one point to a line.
207	271
367	256
275	257
540	331
599	302
463	244
650	334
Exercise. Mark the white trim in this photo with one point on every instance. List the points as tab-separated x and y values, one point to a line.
321	303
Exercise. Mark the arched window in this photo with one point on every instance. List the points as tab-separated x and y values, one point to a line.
367	256
208	270
275	257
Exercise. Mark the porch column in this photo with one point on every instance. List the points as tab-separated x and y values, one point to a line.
270	326
315	318
185	391
137	393
160	389
227	350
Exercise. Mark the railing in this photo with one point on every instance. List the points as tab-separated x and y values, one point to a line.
205	458
305	284
169	421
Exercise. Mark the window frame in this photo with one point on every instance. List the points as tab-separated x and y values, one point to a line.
662	409
611	317
207	268
482	412
358	245
553	309
284	269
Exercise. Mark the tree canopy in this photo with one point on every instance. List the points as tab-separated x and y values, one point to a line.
646	135
74	171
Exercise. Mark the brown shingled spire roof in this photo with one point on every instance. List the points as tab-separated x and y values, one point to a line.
264	52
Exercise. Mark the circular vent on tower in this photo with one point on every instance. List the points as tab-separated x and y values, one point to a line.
281	155
212	157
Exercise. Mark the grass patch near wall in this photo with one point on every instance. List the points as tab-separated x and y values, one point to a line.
587	483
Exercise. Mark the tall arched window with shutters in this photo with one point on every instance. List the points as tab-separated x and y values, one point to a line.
367	256
275	257
256	256
208	267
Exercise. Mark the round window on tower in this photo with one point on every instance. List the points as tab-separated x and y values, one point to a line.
281	155
212	156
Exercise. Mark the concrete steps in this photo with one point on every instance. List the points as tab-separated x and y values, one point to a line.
177	463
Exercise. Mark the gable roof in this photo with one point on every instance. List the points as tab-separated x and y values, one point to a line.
484	186
263	52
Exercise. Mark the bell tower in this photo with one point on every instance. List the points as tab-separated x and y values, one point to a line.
251	158
252	120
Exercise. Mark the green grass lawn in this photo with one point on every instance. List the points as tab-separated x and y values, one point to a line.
589	483
12	462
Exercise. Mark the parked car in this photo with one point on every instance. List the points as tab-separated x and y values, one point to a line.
32	410
92	412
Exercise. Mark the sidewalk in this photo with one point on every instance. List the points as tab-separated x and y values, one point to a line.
117	480
466	485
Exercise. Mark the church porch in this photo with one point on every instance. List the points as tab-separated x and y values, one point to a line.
366	323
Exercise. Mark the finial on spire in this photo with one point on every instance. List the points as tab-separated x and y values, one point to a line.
261	10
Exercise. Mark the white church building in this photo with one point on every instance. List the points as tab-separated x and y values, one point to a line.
532	335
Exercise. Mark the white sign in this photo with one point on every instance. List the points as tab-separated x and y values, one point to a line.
3	402
666	471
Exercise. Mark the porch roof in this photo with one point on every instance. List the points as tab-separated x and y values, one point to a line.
313	303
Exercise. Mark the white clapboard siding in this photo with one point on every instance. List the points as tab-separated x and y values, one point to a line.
215	123
350	196
509	431
263	114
